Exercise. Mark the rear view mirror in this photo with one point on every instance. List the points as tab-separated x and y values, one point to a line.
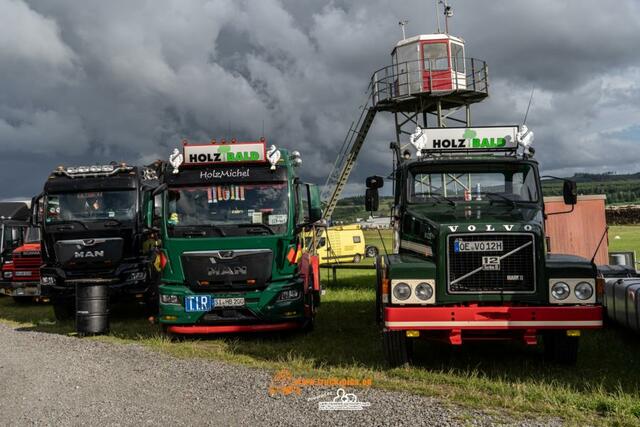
36	210
570	192
375	182
371	200
315	207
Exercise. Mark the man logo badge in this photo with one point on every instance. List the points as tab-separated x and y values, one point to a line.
491	263
224	270
88	254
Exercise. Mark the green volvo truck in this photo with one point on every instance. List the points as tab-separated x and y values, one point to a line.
470	260
231	218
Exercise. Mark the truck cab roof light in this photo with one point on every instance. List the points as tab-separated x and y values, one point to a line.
93	170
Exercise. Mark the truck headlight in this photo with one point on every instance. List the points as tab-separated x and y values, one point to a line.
169	299
583	290
289	294
402	291
560	291
137	276
8	274
47	280
424	291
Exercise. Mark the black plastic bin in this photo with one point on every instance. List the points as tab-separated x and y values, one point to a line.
92	309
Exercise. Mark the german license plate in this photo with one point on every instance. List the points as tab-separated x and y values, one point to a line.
200	303
228	302
23	273
477	246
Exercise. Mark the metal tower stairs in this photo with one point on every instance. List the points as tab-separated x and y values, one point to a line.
346	159
403	90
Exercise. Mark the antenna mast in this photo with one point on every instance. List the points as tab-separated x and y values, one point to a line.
402	25
448	13
437	16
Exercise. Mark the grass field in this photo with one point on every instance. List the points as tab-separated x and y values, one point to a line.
604	388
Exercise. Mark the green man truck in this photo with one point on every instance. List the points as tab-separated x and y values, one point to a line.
93	231
470	260
231	218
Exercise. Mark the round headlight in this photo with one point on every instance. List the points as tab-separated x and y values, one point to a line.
424	291
402	291
560	291
584	290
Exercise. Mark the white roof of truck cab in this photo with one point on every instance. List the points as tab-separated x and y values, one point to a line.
428	37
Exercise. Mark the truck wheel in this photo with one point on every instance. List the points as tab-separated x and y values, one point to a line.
372	252
357	258
560	348
397	348
64	310
23	300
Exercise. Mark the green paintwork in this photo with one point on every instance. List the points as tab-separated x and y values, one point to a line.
429	224
262	303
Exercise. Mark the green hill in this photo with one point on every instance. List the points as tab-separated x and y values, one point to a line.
619	189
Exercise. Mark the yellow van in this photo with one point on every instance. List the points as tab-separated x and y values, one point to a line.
339	244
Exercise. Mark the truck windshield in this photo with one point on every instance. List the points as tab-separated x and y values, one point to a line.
228	209
512	184
91	206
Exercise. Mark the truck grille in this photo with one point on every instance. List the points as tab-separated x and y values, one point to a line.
27	268
488	268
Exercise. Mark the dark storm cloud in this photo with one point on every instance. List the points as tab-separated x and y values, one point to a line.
122	80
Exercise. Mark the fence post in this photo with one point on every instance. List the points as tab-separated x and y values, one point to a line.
473	73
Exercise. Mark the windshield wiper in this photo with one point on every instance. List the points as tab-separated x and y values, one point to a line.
112	223
70	221
257	226
194	233
437	197
196	230
502	198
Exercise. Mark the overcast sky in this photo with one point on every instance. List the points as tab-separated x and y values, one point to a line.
94	81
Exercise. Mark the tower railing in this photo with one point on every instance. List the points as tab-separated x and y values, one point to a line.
412	78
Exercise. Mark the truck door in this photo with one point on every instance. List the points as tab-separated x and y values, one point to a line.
436	66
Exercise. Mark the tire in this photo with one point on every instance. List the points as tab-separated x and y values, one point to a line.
398	348
371	252
64	310
560	348
357	258
23	300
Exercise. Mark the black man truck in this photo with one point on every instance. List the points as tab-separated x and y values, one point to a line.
470	260
93	232
231	217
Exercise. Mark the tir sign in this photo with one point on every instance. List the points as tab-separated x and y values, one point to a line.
249	152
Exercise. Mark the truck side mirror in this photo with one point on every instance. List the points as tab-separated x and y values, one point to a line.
375	182
570	192
371	200
36	210
315	208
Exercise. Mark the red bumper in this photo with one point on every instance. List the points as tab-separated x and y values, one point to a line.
493	318
231	329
